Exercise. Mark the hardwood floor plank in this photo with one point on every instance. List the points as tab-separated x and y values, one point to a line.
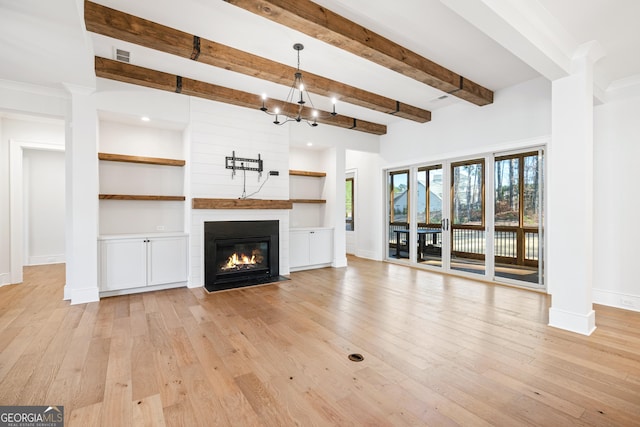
116	407
438	350
94	371
147	412
549	399
16	377
16	348
85	416
181	414
185	354
263	403
144	379
207	408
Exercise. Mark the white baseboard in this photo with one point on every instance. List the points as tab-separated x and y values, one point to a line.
616	299
81	296
580	323
5	279
142	289
339	262
46	259
372	255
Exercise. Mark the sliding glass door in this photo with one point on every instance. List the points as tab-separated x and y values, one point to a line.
518	186
467	230
430	193
399	198
441	216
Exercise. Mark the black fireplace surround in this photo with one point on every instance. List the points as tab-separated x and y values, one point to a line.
240	253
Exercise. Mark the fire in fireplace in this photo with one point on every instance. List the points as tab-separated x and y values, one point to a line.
240	253
241	261
234	257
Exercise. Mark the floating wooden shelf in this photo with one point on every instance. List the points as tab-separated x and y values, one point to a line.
308	201
240	204
140	197
307	173
138	159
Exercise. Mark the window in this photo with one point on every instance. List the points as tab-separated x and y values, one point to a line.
430	196
349	216
399	197
468	193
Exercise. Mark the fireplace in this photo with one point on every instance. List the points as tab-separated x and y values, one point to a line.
240	253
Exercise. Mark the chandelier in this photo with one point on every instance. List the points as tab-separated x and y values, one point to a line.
294	106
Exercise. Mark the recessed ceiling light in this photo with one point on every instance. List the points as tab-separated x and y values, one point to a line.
309	144
145	118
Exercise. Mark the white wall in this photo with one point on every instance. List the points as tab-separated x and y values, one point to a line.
616	207
217	130
518	113
44	191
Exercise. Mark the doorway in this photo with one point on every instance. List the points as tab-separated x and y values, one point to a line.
22	231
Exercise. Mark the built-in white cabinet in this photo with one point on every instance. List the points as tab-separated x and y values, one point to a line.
310	248
133	263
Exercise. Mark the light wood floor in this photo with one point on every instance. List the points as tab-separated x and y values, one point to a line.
437	350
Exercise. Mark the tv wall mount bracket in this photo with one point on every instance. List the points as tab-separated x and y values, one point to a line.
240	163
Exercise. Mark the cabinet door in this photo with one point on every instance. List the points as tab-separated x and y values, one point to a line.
167	260
123	264
320	247
298	248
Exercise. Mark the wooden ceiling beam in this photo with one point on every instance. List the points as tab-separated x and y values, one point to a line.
323	24
119	25
128	73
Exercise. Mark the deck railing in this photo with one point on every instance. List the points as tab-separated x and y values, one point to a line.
471	242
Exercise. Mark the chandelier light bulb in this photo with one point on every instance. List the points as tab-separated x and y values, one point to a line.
264	98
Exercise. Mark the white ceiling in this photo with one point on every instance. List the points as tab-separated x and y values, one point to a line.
44	42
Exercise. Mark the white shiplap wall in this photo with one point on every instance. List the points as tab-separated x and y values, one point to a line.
216	131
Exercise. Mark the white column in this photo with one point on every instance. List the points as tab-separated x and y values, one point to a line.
334	193
338	208
81	164
570	233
